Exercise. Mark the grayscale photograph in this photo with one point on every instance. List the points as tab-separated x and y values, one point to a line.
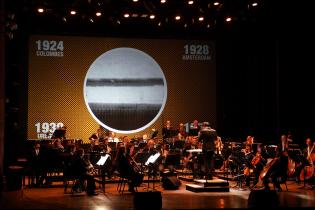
125	90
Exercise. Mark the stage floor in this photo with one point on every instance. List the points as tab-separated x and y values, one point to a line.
54	198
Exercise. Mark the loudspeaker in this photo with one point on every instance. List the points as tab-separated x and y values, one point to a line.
263	199
171	183
148	200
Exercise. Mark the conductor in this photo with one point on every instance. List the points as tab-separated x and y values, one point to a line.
208	136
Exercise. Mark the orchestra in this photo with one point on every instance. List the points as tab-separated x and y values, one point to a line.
198	150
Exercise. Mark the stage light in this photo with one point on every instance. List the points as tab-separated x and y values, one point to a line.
228	19
98	14
40	10
190	2
144	15
163	1
135	0
201	18
126	15
177	17
134	15
152	17
254	4
216	3
91	20
208	26
73	12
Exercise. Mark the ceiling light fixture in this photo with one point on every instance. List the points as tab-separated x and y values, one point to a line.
40	10
228	19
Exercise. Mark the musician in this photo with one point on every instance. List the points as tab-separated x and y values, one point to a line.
112	137
279	167
83	170
208	136
304	170
36	164
127	168
96	138
249	143
60	133
167	130
105	147
194	128
181	131
58	145
258	162
218	146
308	150
284	143
150	148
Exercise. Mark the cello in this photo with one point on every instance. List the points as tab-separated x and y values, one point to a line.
268	168
308	171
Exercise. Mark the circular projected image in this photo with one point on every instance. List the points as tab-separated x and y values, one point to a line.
125	90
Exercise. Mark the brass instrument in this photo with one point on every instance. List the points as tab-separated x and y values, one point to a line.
133	163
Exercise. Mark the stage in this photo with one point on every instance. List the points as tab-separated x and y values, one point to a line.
54	197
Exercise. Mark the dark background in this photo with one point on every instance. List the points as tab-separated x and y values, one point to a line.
265	86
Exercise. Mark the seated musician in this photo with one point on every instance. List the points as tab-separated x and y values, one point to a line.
218	146
58	145
105	147
112	137
167	130
249	142
256	162
127	168
96	138
181	134
194	128
150	148
82	168
308	151
278	168
307	159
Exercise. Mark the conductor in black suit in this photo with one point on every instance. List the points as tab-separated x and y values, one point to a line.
208	136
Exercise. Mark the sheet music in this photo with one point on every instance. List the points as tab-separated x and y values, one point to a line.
194	150
152	158
102	160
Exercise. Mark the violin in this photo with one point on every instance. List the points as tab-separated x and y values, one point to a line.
256	159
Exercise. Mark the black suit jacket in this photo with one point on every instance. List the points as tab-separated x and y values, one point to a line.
208	137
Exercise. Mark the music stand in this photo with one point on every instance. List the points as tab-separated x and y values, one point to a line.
151	161
102	160
101	163
179	144
193	131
